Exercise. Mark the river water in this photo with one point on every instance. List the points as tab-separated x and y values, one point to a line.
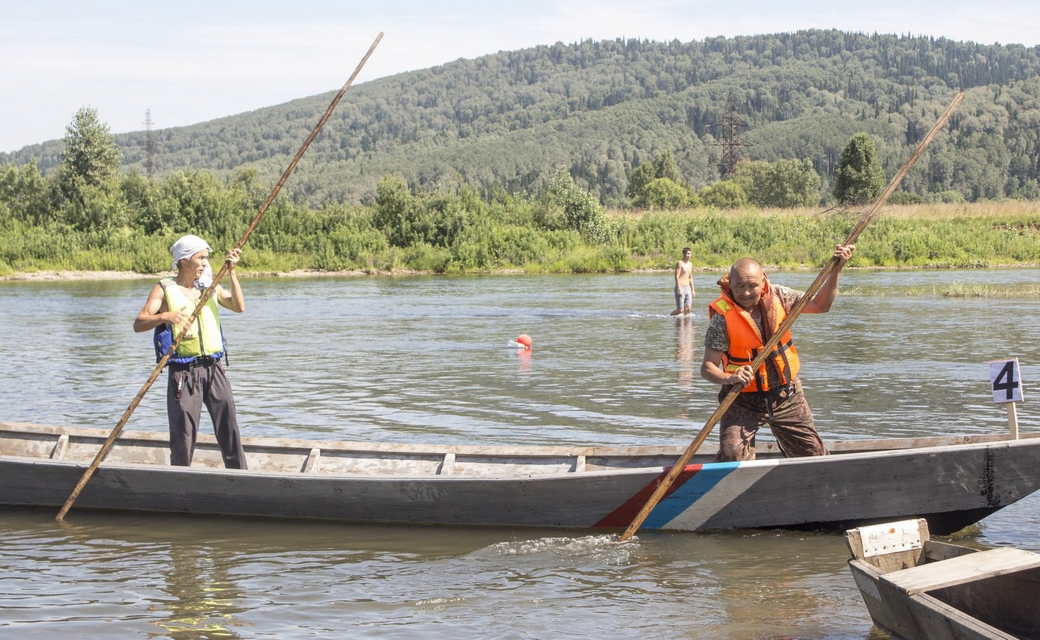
425	359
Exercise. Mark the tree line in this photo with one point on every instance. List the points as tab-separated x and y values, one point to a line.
603	108
89	214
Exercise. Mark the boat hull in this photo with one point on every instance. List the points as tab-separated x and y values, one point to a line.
950	485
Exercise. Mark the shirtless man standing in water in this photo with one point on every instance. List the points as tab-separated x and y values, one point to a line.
684	291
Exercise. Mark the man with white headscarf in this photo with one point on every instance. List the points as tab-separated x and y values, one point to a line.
197	375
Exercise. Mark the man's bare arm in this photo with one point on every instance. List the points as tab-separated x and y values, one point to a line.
232	299
151	314
829	291
712	370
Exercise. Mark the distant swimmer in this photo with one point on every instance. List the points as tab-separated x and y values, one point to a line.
684	290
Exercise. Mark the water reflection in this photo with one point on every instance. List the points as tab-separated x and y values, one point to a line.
685	350
523	359
203	598
338	359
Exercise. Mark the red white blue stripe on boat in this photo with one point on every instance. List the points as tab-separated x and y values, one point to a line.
698	493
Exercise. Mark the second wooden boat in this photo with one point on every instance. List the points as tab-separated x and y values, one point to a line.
918	588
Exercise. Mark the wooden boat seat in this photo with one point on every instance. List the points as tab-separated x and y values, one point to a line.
967	568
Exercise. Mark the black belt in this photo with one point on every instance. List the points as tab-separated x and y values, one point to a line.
200	361
788	389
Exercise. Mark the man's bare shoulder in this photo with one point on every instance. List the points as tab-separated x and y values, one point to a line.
788	296
716	337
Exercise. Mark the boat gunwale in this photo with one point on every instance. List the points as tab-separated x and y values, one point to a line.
837	447
525	476
323	476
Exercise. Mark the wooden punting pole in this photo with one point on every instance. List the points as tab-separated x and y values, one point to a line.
204	298
832	267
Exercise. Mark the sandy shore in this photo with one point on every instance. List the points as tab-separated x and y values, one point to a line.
34	276
46	276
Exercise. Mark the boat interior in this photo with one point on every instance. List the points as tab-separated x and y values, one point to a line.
282	455
999	588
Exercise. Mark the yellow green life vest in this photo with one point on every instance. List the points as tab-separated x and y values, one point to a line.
204	338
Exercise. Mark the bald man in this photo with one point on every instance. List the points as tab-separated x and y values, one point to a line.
742	320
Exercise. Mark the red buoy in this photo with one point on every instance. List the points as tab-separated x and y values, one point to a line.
524	341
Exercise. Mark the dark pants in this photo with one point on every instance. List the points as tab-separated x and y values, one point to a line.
789	418
187	390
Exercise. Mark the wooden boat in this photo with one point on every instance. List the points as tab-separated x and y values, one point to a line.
915	587
952	481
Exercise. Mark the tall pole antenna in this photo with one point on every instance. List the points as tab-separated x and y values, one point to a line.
149	143
729	129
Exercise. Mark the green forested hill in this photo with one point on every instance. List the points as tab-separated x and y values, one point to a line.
601	108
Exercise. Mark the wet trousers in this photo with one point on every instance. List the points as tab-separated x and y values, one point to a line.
789	418
187	390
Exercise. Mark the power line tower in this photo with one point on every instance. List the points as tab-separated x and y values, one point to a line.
729	130
149	143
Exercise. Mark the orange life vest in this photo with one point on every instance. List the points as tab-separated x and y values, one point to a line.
745	342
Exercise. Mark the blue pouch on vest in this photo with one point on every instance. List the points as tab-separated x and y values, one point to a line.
162	340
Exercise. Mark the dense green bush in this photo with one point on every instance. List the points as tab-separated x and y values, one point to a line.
26	193
435	218
905	197
645	191
783	183
562	228
665	193
948	196
577	208
725	194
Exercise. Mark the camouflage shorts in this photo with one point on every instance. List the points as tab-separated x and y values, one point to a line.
789	418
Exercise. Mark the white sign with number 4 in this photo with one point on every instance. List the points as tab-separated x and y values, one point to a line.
1005	379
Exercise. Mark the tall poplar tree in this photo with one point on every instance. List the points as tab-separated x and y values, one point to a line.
87	185
90	151
860	178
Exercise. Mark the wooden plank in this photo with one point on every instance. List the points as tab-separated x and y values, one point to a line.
310	465
936	619
969	567
447	466
60	447
1012	415
893	444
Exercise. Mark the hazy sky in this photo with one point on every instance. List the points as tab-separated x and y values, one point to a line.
190	60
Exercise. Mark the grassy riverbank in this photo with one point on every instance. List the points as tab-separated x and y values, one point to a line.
951	290
466	235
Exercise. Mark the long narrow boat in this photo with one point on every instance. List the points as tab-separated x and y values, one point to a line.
951	481
917	588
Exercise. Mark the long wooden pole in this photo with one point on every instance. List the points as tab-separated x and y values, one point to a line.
204	298
829	271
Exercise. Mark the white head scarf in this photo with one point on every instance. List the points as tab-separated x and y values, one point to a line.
186	247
